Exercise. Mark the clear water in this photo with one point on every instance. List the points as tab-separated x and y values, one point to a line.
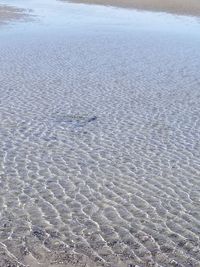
99	137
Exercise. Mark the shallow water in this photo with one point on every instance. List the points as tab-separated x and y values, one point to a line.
100	130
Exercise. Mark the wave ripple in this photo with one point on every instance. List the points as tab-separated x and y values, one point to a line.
99	159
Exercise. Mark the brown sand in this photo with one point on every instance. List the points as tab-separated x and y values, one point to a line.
8	13
188	7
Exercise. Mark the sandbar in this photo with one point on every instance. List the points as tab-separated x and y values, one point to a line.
181	7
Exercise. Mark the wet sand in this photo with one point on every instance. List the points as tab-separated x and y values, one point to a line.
99	138
188	7
9	13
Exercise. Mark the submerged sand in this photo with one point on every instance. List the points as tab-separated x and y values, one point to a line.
103	168
188	7
99	138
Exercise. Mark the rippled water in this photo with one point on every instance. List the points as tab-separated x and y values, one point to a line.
99	138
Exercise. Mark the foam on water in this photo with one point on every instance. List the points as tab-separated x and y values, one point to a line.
99	138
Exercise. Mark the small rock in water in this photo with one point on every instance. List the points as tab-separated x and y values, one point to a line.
39	233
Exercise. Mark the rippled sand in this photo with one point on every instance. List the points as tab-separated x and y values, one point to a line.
100	152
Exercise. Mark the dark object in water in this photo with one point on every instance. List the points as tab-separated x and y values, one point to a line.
39	233
94	118
74	120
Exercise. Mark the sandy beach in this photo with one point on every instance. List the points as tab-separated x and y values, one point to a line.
99	137
183	7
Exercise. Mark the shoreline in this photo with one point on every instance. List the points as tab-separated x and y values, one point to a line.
178	7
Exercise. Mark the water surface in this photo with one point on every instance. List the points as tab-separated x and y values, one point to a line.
100	130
